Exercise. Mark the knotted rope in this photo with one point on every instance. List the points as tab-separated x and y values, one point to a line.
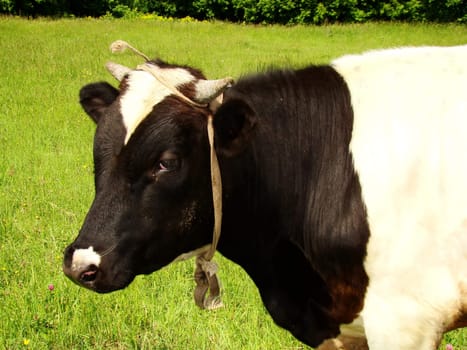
121	45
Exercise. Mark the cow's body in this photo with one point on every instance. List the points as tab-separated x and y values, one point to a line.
410	152
344	191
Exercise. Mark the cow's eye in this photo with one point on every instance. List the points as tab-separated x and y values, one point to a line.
168	164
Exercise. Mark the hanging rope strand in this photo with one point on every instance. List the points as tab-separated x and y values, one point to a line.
206	271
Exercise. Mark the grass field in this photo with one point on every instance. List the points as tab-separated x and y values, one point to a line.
46	180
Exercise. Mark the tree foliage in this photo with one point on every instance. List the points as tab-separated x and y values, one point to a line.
251	11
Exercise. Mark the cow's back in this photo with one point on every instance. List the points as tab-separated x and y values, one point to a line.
409	145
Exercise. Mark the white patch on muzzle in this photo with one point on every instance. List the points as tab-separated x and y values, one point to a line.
83	258
145	91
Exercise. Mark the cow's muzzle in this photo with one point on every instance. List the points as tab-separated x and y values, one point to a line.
81	266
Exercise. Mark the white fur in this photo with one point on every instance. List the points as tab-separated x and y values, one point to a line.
409	145
83	258
145	91
354	329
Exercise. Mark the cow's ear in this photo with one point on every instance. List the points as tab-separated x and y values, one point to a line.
234	122
96	97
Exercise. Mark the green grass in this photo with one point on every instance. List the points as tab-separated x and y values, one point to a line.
46	182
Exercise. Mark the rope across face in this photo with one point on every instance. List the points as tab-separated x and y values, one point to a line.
208	94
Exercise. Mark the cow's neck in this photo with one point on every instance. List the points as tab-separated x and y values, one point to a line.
293	211
253	236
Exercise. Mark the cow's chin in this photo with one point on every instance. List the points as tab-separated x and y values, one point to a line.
106	283
110	281
108	288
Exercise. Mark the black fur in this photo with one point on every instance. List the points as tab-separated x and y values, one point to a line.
303	220
293	216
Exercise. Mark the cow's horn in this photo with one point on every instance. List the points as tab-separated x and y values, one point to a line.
117	70
207	90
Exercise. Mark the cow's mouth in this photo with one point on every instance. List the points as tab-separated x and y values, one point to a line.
90	275
95	279
84	278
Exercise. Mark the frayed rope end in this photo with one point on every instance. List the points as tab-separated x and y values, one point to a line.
121	45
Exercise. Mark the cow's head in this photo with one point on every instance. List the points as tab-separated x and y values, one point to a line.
153	198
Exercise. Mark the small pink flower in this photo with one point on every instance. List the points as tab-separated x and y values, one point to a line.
51	288
449	347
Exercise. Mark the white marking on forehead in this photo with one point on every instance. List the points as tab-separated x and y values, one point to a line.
145	91
83	258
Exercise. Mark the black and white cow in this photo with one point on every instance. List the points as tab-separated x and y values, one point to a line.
344	189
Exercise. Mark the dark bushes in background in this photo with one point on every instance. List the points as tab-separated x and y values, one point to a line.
251	11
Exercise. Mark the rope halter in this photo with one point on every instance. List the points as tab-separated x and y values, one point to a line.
205	269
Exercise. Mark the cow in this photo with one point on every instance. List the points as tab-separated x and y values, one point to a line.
341	189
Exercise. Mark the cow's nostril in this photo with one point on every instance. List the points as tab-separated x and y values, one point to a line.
89	275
